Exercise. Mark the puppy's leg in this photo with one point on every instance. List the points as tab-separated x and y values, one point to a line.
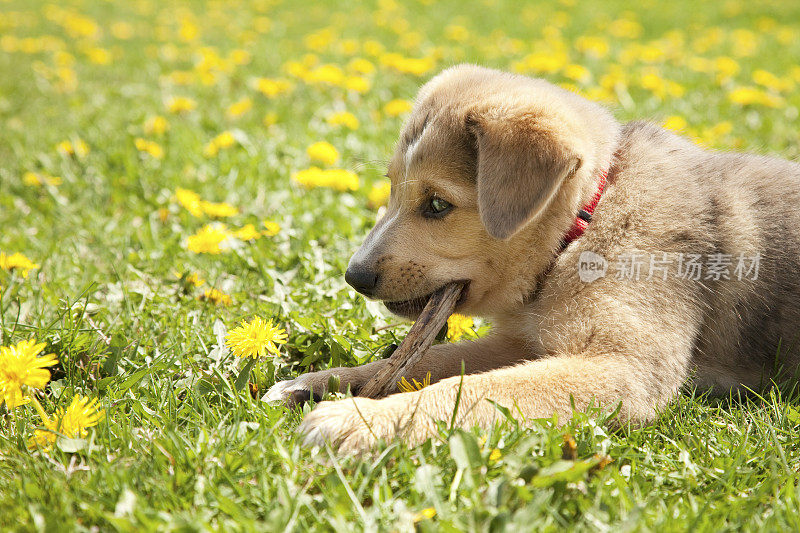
489	353
535	389
300	389
441	361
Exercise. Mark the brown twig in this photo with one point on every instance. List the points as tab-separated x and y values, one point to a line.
419	339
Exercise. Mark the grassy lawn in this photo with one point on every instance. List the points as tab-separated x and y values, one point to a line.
155	171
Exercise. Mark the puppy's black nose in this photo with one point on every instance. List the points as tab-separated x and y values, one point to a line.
361	279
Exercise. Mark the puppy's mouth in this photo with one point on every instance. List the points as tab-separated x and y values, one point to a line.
412	308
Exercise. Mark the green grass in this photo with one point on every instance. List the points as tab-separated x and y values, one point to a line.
180	447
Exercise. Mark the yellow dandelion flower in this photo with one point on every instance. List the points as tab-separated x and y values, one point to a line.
151	148
79	26
218	209
324	152
675	89
745	42
319	40
495	455
67	80
653	81
726	67
189	200
379	194
771	81
397	107
180	104
326	74
650	53
342	180
408	65
78	148
343	118
358	84
542	63
211	149
359	65
715	133
745	95
188	30
81	414
192	278
271	228
208	239
676	123
98	56
754	96
239	57
34	179
425	514
625	28
248	232
239	108
72	423
348	47
296	68
17	261
404	386
256	338
181	77
21	369
577	73
270	119
272	87
458	325
156	125
592	45
43	439
215	296
334	178
570	87
223	140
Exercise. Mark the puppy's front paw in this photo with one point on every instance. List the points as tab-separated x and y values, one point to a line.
354	425
349	425
292	392
295	391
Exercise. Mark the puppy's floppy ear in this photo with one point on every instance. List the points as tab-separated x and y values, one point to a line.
521	165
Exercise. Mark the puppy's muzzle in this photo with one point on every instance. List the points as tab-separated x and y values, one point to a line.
362	279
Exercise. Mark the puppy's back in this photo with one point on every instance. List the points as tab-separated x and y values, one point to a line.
725	207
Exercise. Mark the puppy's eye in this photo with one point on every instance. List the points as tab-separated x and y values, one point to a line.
436	207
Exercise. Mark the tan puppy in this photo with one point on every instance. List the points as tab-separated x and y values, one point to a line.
488	176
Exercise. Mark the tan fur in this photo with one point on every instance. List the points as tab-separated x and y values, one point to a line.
518	157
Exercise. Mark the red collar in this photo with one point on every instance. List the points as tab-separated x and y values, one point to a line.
585	213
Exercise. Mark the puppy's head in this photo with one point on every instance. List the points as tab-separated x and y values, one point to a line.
487	177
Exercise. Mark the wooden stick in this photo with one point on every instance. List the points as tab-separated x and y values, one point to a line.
422	334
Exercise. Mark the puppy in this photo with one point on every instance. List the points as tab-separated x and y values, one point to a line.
615	263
